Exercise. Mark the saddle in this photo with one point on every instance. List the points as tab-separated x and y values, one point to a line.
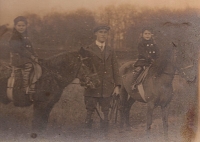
141	76
34	76
137	77
138	83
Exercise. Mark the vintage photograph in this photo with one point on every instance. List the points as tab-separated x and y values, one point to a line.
99	71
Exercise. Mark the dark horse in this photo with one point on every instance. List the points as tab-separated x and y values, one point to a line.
58	72
157	88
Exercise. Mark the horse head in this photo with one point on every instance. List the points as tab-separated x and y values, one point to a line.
183	46
186	62
176	58
87	73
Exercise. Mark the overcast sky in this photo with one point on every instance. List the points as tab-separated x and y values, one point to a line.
9	9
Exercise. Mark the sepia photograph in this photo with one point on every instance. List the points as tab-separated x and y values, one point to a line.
99	71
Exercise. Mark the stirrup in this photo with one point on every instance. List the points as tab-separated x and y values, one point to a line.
133	87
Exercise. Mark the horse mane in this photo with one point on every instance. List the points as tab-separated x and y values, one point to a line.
161	63
65	64
58	59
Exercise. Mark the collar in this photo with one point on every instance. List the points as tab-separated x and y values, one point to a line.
96	50
99	44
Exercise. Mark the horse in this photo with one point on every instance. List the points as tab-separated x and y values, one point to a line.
157	87
58	72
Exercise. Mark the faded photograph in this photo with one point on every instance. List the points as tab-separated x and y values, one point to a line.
99	71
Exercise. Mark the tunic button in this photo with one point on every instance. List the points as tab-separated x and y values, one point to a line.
27	46
105	72
154	52
149	51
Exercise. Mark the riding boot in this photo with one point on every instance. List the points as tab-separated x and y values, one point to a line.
32	88
88	120
26	76
127	116
136	74
105	123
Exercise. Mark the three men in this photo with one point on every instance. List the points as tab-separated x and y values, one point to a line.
107	68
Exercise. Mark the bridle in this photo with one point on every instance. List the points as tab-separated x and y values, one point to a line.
180	70
88	83
81	64
187	67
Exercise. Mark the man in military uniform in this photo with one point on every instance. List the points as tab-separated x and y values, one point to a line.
107	69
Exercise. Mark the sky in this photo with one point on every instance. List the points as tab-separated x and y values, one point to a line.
9	9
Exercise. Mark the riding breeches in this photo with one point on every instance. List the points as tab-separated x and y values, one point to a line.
136	73
91	106
26	74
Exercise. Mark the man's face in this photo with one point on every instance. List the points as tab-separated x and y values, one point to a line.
102	35
147	35
20	27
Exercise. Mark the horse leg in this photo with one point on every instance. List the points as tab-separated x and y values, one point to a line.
41	113
123	101
150	107
128	106
165	111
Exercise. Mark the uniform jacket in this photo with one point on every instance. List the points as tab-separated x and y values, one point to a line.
147	50
21	49
107	68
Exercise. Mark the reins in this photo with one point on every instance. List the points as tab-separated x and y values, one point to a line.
189	66
81	58
82	64
170	74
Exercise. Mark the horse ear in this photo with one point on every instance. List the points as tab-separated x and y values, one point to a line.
84	52
81	49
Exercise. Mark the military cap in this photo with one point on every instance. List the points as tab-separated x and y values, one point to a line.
101	26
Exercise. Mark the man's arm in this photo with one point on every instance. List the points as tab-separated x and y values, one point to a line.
116	75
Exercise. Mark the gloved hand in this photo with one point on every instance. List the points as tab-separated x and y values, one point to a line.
116	91
35	59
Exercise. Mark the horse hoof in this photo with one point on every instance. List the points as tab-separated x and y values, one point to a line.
33	135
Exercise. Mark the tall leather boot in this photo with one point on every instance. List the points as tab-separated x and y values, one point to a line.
88	120
127	116
26	76
32	88
136	73
105	123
